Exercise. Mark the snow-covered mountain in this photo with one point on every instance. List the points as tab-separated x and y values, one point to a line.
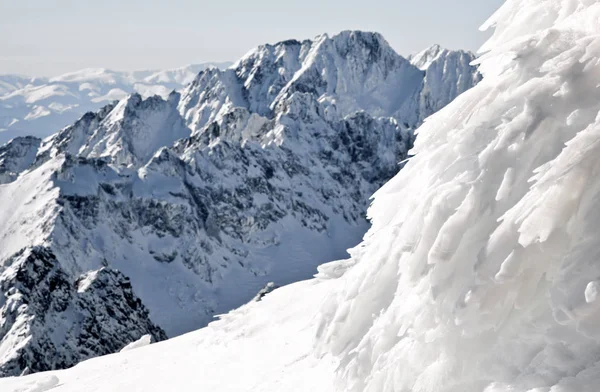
253	174
42	106
480	272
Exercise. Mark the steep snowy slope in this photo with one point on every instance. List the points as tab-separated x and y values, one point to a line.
257	173
495	258
480	273
41	106
263	347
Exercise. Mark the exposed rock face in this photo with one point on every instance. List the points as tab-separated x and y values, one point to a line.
264	291
50	321
17	156
254	174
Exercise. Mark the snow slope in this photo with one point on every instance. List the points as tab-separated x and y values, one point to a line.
254	174
42	106
484	278
245	351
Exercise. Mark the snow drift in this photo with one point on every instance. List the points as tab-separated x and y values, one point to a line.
487	278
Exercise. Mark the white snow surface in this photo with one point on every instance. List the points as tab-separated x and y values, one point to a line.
479	272
42	106
481	280
244	351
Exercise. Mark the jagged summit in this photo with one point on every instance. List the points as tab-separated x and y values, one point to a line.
129	132
374	43
447	72
348	72
341	71
423	59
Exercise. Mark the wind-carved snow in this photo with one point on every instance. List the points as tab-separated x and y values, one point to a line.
485	279
42	106
254	174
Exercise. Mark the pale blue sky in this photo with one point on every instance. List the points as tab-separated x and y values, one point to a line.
49	37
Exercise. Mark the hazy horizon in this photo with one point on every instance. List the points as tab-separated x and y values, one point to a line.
42	39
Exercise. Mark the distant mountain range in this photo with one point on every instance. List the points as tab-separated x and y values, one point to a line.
42	106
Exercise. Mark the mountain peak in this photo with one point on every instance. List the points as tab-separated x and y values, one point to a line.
348	72
425	58
129	132
447	73
363	38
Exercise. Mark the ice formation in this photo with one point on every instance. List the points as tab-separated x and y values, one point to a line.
485	277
